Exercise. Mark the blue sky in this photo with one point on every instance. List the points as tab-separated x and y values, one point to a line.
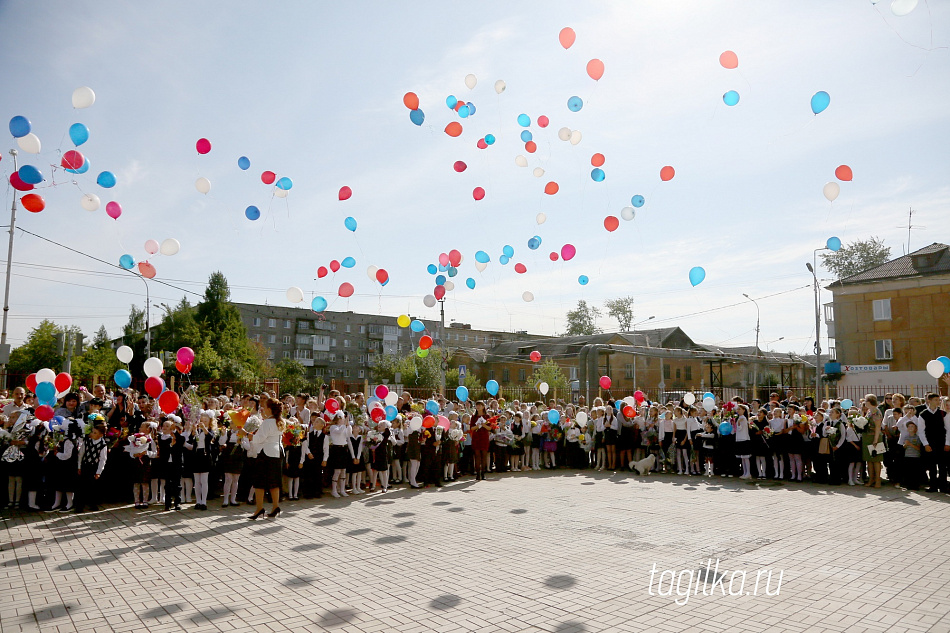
313	91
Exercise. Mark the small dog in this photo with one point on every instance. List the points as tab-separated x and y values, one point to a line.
644	466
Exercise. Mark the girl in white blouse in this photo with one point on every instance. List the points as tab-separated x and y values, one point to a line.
848	449
338	454
743	441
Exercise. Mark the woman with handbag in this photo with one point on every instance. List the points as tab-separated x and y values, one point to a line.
872	441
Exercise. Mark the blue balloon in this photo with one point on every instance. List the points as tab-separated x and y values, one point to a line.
503	260
471	108
553	416
946	363
417	326
582	280
574	104
244	162
442	268
709	394
78	134
126	262
696	275
285	183
509	251
20	126
618	404
432	406
482	257
82	169
106	179
462	393
463	111
451	101
470	283
453	271
122	378
820	101
30	175
637	201
46	391
252	213
492	387
391	413
597	174
417	116
731	98
833	244
348	262
725	428
319	304
846	403
534	243
440	280
350	223
524	120
526	135
489	139
432	269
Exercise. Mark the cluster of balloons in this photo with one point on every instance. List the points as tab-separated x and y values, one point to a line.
418	327
168	247
832	189
730	61
48	387
411	101
939	366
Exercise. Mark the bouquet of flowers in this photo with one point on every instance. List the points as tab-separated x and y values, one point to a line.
373	438
504	437
456	434
114	436
860	423
832	432
138	444
651	436
293	435
554	433
767	433
252	425
52	440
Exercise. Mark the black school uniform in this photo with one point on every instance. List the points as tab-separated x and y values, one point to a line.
429	469
90	464
360	466
313	468
199	457
232	454
63	471
170	458
382	453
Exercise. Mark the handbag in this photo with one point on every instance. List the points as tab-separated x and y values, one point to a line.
877	449
824	446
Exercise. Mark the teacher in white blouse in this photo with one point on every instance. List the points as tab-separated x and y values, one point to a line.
266	444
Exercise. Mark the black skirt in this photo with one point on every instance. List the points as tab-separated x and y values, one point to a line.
339	457
743	448
267	472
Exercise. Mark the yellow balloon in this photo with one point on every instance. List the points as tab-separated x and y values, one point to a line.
403	321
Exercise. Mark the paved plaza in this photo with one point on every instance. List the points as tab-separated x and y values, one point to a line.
545	551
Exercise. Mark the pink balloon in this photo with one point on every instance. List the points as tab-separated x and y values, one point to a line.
346	289
113	210
543	121
382	391
444	259
345	193
147	270
203	146
568	252
185	356
444	422
605	382
151	246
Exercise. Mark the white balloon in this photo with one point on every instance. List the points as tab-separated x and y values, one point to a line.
689	398
481	266
564	134
415	423
203	185
90	202
470	81
500	86
541	218
630	401
391	398
83	97
461	259
527	296
294	294
521	161
628	213
709	404
30	143
281	193
900	8
543	388
48	375
153	367
448	285
538	172
934	368
429	300
581	418
170	247
831	191
124	354
575	137
371	272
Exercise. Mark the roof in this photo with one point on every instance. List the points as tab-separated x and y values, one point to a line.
566	346
776	358
906	266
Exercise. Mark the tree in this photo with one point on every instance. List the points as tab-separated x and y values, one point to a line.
40	350
414	371
856	257
177	329
219	325
98	360
581	320
551	373
621	309
292	375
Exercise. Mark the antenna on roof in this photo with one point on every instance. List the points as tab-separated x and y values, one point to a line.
910	226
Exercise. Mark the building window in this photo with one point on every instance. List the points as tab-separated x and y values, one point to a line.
256	338
347	328
271	338
286	324
346	358
271	322
666	371
270	354
882	309
286	340
346	341
362	344
303	325
362	329
333	342
362	373
286	353
522	375
883	349
476	338
677	373
491	374
505	375
464	337
689	372
346	373
628	371
332	358
573	373
257	321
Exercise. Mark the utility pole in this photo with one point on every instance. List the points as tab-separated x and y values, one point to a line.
443	353
4	348
755	366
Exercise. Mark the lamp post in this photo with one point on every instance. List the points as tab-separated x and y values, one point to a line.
6	291
811	269
634	326
769	343
755	365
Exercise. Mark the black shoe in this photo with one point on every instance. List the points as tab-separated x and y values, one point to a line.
274	513
256	514
414	487
177	506
224	505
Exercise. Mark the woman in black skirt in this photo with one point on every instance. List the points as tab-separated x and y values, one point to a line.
267	445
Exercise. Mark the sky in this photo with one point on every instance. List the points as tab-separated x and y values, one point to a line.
314	91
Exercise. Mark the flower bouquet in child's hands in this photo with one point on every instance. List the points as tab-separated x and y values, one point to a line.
53	439
253	425
832	432
456	434
138	444
293	435
373	438
113	435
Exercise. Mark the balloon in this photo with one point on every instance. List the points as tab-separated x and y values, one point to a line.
583	280
294	294
481	266
122	378
17	183
462	393
534	243
252	213
449	285
935	368
605	382
429	302
696	275
455	257
170	247
30	175
478	193
154	386
945	362
470	81
382	276
628	213
553	416
151	247
203	185
168	402
348	262
403	320
492	387
185	355
44	413
566	37
63	382
346	289
83	97
319	304
611	223
72	160
527	296
900	8
535	356
820	101
729	60
440	280
89	202
147	270
543	121
350	223
597	174
453	129
846	404
33	203
417	326
520	268
574	104
709	404
411	100
526	135
500	86
20	126
332	405
106	179
153	367
459	166
381	391
482	256
244	163
439	292
203	146
285	184
597	160
470	283
531	147
637	201
46	391
629	412
113	210
521	161
126	262
730	98
30	143
831	191
268	177
524	120
667	173
489	139
432	406
725	428
833	244
595	69
451	101
564	134
843	172
78	134
551	188
575	137
543	388
688	399
709	394
568	251
124	354
553	256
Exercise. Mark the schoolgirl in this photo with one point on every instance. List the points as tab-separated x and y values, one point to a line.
666	431
380	457
795	443
708	442
760	447
142	458
170	449
398	439
517	445
199	445
311	458
450	450
611	433
681	439
33	453
694	427
187	463
431	462
63	460
600	447
743	446
293	460
355	470
414	453
848	449
778	442
93	452
627	440
338	453
232	459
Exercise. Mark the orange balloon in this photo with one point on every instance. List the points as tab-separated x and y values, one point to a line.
595	68
729	60
453	129
411	100
597	160
667	173
551	188
34	203
147	270
611	223
531	147
566	37
843	173
425	342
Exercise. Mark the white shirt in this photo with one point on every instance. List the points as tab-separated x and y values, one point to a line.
679	424
304	415
778	424
742	429
693	424
267	439
922	432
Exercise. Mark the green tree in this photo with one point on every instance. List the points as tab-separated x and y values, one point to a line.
40	350
582	320
98	360
621	309
551	373
219	325
177	329
856	257
414	371
292	375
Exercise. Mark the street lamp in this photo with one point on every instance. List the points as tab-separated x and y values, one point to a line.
769	343
755	366
811	269
634	326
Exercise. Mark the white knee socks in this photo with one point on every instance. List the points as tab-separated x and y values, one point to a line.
413	471
187	484
201	488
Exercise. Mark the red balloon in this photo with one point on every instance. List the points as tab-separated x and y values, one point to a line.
729	60
638	395
551	188
453	129
459	166
168	402
439	292
63	382
18	184
183	369
44	413
322	272
332	405
520	268
72	160
843	173
31	383
411	100
268	177
458	104
611	223
345	193
554	256
381	275
147	270
203	146
478	193
427	422
154	386
455	257
378	414
595	68
667	173
481	144
346	289
33	202
535	356
566	37
629	412
334	265
597	160
425	342
605	382
543	121
531	147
